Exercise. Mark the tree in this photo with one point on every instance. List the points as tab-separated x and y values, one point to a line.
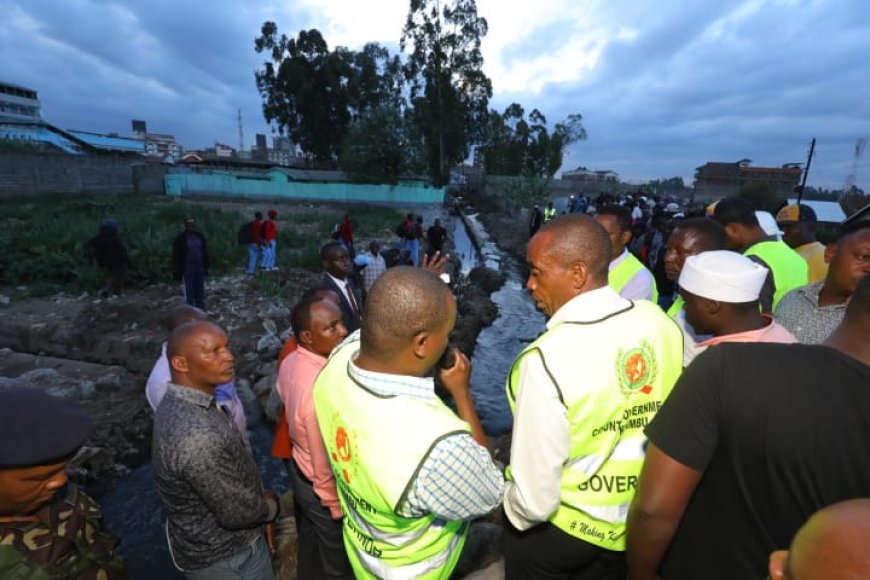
378	148
762	196
313	94
514	146
449	91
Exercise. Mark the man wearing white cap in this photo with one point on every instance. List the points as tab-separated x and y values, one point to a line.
721	290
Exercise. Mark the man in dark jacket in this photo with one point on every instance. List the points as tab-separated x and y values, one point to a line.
110	253
337	268
190	263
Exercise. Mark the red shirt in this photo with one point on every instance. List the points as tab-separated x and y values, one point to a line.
281	446
270	231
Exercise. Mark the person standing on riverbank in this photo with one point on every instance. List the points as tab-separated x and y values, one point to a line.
337	267
581	394
255	247
436	235
270	242
190	263
158	381
410	473
320	550
49	528
204	472
535	220
110	253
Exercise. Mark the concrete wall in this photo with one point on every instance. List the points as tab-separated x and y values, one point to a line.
25	173
276	185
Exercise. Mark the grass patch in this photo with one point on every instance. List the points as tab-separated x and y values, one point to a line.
42	240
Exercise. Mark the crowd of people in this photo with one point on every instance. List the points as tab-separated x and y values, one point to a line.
697	407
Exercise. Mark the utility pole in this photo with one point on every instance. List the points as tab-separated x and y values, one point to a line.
806	170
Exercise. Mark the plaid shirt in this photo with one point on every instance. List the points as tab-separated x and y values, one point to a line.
458	480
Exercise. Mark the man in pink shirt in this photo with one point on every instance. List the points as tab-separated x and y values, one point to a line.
318	327
721	291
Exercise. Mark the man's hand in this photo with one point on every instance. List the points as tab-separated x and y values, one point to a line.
455	379
435	265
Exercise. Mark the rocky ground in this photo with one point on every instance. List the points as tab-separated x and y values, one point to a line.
99	352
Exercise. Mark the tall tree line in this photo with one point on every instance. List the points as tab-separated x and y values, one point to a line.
377	115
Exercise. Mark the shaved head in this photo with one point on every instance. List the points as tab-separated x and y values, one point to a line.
182	314
579	238
186	333
402	302
831	545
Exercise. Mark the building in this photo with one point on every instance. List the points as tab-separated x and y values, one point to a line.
19	104
830	212
716	179
111	142
590	182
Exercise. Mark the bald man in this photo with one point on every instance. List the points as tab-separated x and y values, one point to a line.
581	395
410	473
158	381
832	545
204	473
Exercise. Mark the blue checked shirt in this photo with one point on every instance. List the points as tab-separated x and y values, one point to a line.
458	480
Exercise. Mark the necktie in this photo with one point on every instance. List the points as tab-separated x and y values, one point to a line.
351	299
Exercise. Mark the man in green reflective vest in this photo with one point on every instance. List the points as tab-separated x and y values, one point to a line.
581	395
787	269
628	276
549	212
410	474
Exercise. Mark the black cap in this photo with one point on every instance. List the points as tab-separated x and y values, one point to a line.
38	429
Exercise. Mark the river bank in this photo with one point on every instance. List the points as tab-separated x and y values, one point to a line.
99	352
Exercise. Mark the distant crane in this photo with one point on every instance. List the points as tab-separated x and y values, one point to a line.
241	134
852	177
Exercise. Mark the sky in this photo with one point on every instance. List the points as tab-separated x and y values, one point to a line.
663	87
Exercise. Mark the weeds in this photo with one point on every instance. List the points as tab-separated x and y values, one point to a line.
42	240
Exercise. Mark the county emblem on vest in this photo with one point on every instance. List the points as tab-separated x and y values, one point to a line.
636	369
344	456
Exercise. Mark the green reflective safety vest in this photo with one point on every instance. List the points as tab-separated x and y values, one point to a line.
625	271
612	375
675	308
376	444
789	270
549	213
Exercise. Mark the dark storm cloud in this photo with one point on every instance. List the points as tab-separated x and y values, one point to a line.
674	84
720	81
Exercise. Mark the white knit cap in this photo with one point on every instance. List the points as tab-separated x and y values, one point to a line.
723	275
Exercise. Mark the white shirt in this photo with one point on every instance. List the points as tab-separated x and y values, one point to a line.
640	286
541	433
344	289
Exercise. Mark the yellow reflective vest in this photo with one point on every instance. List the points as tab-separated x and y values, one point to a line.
789	269
612	375
376	445
625	271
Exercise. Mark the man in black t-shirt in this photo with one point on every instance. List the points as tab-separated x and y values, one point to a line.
753	439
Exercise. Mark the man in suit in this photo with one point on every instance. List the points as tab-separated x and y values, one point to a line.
337	267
